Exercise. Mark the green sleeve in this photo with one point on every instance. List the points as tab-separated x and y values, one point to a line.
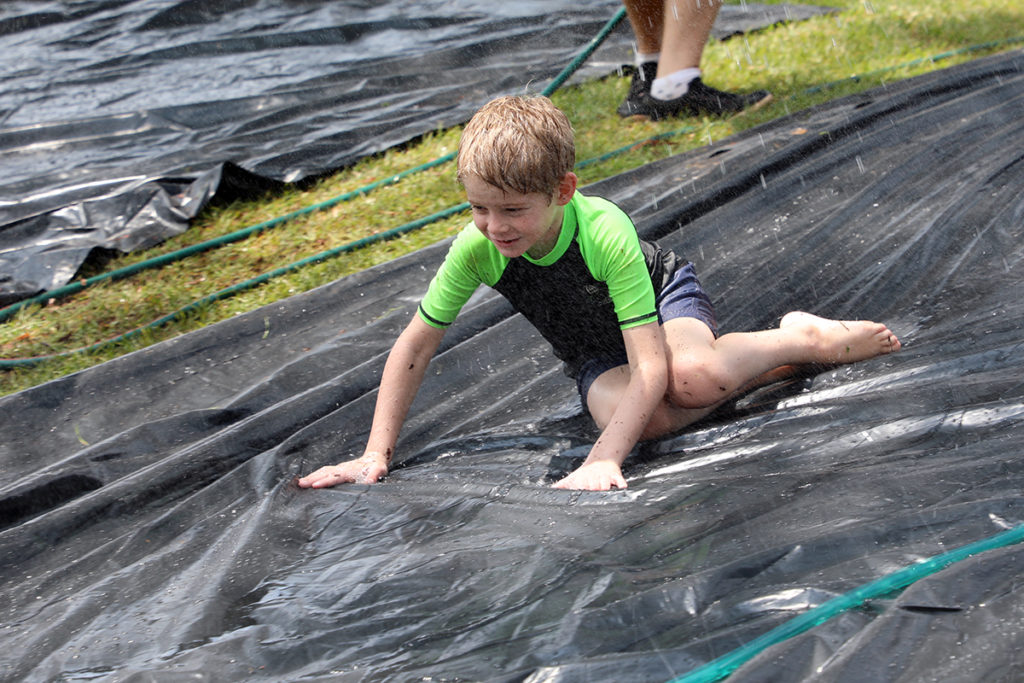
471	261
611	248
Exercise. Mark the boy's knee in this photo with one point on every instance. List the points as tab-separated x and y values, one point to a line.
694	383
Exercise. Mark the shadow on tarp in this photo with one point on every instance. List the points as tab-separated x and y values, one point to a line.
120	120
153	529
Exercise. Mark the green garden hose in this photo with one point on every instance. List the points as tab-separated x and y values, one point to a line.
725	665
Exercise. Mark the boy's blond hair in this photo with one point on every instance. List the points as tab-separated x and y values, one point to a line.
520	144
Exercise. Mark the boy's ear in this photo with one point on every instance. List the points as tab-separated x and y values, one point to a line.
566	188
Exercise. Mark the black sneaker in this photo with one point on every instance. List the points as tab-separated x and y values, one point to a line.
699	99
639	89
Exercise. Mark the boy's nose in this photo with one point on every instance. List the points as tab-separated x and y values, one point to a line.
496	227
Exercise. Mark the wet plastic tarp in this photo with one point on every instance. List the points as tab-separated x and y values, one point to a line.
153	530
119	120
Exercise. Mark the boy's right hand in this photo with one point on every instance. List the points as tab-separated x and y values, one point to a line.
367	469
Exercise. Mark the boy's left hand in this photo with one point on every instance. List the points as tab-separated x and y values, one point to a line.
594	476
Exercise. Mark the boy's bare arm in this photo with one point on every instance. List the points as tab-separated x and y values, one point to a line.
403	373
648	381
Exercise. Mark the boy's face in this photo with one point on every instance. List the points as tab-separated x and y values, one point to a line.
519	223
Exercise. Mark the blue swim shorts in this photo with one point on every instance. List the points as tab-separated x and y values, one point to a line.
683	297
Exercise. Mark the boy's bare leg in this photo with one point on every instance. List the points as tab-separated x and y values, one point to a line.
706	372
607	390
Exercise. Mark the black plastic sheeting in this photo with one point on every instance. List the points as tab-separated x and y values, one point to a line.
120	119
153	529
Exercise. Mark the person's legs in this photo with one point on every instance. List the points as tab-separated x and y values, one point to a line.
678	29
667	81
647	21
687	26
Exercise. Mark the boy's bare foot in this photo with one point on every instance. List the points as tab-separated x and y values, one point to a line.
843	341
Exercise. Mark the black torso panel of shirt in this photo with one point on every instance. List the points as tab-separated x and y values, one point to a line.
571	309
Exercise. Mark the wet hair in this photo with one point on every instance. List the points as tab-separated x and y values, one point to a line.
519	144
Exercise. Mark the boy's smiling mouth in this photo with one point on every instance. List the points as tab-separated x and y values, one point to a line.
505	242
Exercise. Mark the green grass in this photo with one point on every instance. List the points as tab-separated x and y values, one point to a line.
867	43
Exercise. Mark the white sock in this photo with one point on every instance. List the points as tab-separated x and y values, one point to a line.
674	85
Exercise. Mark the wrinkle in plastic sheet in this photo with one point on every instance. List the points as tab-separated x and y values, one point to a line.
153	528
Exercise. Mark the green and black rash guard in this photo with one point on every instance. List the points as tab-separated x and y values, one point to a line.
599	279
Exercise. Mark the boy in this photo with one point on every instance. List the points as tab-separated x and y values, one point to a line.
629	320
